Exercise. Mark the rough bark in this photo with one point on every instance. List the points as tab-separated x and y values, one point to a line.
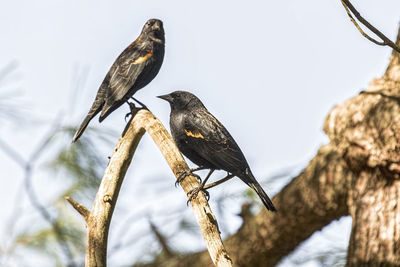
365	130
356	173
369	137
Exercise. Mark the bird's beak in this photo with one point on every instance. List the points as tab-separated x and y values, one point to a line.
156	27
166	98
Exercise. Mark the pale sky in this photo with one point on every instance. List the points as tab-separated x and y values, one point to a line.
270	71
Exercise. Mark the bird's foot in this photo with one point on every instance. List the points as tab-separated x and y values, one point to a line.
143	106
133	109
194	192
182	175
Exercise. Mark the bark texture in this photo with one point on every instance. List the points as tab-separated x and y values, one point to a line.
366	131
356	173
369	138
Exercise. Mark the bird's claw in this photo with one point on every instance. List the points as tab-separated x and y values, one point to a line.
143	106
133	109
194	192
127	116
182	175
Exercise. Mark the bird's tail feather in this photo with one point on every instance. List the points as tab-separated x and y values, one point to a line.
252	182
92	112
96	108
82	128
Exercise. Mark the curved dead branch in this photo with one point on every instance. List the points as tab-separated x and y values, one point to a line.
99	218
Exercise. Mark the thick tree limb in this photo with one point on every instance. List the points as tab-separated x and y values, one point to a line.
304	207
365	130
350	9
99	218
375	209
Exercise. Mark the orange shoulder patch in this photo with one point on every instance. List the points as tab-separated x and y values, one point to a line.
195	134
144	58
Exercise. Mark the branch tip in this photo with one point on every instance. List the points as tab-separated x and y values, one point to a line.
79	208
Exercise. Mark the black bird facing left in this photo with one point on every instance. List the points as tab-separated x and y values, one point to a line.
207	143
134	68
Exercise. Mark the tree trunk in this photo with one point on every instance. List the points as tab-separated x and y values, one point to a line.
356	174
374	197
375	209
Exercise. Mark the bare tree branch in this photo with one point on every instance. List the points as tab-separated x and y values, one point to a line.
385	41
79	208
204	216
99	218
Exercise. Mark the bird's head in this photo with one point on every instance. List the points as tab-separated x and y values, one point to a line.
154	30
180	100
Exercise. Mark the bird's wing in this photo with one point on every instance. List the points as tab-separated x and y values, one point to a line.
125	71
212	141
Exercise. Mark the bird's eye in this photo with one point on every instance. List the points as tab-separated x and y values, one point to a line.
177	95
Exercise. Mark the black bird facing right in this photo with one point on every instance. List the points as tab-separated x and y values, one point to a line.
134	68
207	143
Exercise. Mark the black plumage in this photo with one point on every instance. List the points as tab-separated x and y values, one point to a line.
206	142
134	68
